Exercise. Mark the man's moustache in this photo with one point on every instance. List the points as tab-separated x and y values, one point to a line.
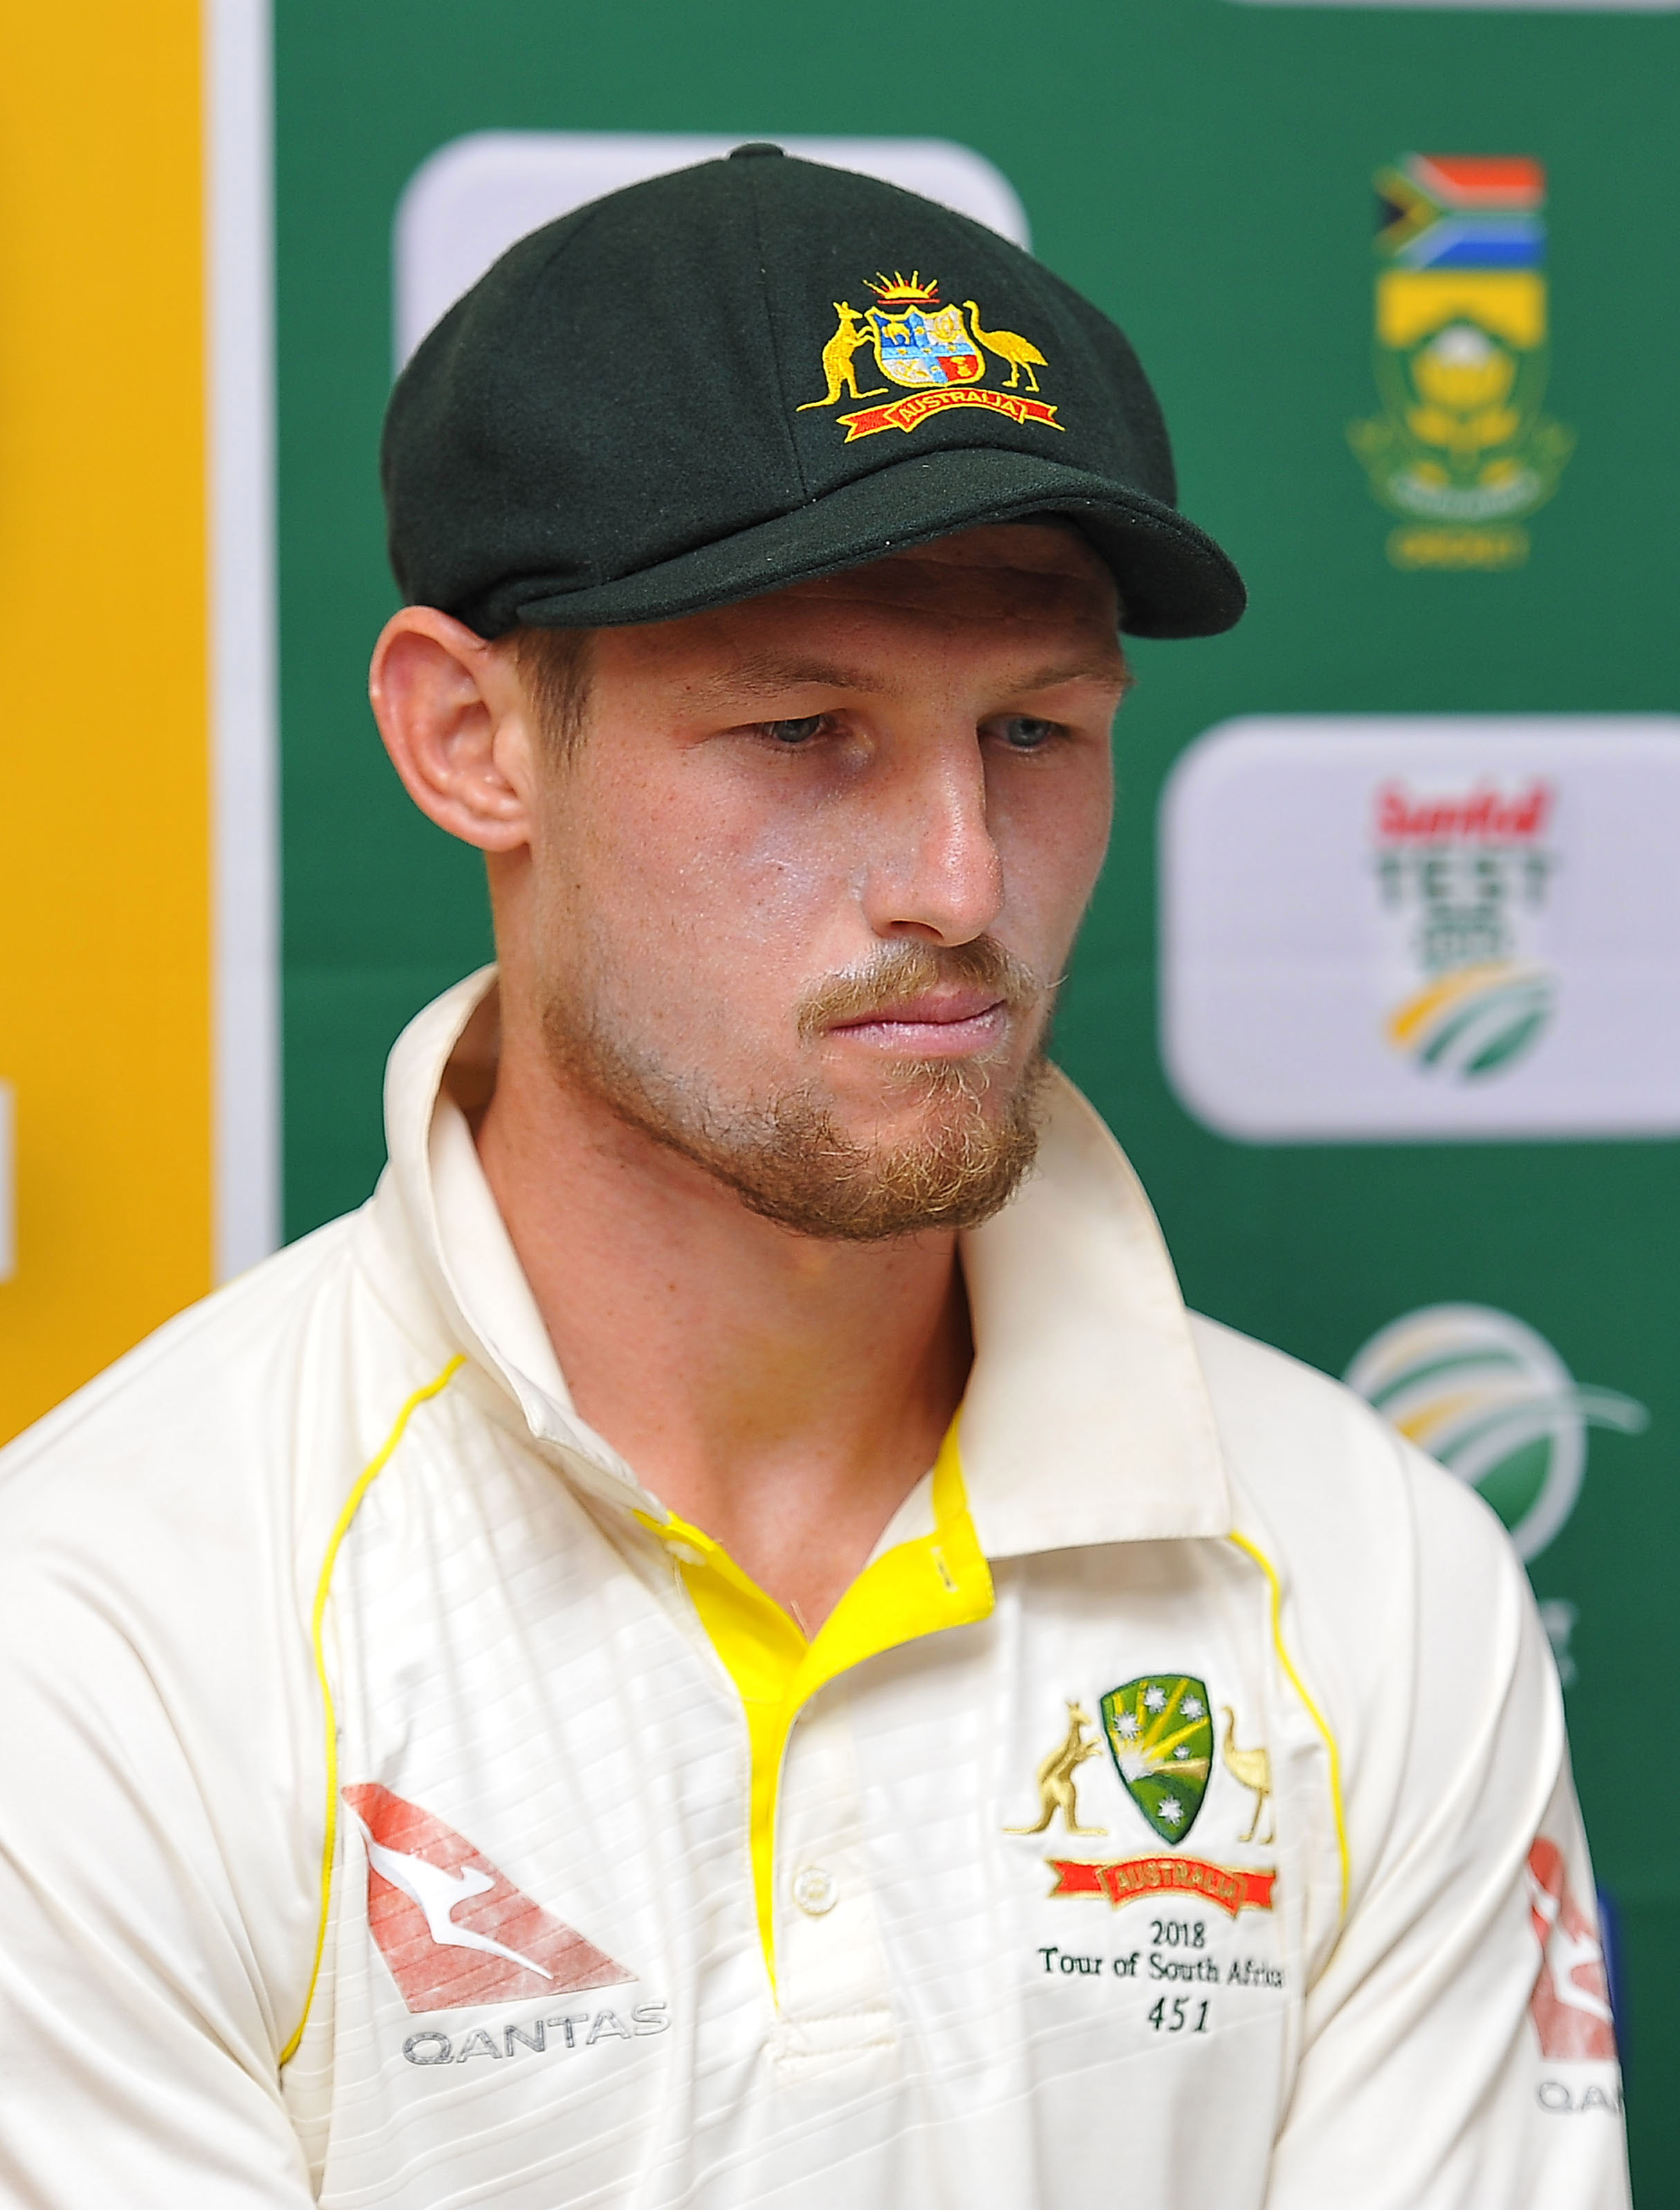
901	971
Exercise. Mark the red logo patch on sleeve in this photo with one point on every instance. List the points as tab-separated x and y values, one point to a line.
1571	2000
453	1929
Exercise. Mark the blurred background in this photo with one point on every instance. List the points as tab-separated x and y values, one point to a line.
1383	987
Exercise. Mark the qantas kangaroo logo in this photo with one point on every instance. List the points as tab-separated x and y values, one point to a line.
1571	2000
452	1927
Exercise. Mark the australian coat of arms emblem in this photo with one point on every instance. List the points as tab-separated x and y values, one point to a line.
940	352
1463	449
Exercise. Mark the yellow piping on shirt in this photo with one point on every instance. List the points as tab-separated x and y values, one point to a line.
1300	1687
365	1481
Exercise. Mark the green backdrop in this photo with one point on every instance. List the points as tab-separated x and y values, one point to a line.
1201	169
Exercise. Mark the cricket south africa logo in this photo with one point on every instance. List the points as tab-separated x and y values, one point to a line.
1490	1399
940	352
1464	878
1462	449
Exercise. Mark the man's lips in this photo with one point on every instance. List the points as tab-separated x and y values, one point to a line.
939	1024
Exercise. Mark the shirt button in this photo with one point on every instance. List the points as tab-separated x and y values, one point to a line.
815	1890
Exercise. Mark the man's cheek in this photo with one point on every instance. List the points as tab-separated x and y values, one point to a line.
1048	882
700	979
706	868
784	884
723	920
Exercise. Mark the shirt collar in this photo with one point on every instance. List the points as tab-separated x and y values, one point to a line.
1086	1418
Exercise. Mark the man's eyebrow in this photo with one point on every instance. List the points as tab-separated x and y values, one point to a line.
1101	667
764	674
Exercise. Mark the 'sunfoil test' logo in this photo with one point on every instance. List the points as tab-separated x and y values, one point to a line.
1464	880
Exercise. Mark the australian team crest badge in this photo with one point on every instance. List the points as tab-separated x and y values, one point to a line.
1161	1736
940	351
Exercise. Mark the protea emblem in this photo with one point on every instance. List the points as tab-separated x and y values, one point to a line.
1463	449
1162	1737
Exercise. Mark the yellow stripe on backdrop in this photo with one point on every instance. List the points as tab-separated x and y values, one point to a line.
105	921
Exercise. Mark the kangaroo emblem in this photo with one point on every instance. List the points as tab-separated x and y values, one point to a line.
838	361
1055	1778
1253	1767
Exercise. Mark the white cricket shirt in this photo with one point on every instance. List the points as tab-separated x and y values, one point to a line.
398	1808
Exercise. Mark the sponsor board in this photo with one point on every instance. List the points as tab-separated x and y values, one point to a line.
1392	928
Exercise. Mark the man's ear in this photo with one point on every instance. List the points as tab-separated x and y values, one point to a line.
455	720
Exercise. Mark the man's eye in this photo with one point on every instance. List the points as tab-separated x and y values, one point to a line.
1024	733
795	733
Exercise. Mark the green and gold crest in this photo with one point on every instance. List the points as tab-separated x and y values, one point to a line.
1462	449
1161	1738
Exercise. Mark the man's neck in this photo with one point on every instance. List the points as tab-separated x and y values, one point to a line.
781	1393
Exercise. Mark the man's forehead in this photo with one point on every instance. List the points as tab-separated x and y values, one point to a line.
1002	568
1014	583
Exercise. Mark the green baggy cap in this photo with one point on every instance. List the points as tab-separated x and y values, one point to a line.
743	375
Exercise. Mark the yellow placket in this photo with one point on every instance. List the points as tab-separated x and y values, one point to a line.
917	1588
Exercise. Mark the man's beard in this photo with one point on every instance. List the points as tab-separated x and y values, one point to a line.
787	1157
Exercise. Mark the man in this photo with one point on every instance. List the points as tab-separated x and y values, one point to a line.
726	1641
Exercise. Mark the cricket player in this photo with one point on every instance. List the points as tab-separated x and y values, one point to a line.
726	1641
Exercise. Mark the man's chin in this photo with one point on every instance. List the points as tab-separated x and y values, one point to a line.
917	1106
946	1157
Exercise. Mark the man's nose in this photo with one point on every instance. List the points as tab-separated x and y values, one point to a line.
934	869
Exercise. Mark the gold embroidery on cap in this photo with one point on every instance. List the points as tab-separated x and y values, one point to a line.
838	360
939	357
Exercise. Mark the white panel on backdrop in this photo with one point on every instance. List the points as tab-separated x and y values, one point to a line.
469	201
239	104
1382	927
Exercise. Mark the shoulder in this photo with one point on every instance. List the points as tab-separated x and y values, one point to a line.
161	1752
219	1448
1336	1486
1394	1579
162	1535
173	1412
